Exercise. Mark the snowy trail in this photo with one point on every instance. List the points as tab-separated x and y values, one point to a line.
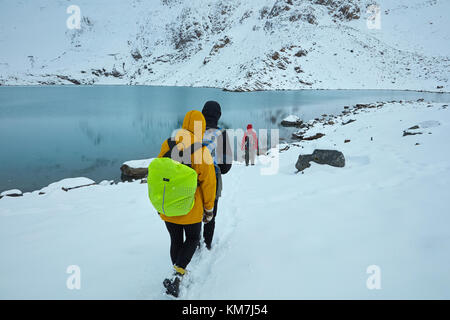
204	262
201	268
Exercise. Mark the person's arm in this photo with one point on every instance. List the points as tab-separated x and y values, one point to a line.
226	156
207	180
243	141
255	139
164	149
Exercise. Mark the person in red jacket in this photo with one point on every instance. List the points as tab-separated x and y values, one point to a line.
250	145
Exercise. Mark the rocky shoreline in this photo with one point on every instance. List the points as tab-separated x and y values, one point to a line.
137	169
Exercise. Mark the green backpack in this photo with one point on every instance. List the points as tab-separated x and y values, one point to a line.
172	184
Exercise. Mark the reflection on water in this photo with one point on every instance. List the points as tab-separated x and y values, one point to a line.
51	133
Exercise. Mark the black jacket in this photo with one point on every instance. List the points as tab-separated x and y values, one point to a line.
224	155
223	151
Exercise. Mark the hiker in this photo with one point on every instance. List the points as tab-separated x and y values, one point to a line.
218	143
250	144
181	252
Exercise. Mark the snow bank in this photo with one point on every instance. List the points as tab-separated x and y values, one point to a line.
138	164
291	118
278	236
13	192
67	184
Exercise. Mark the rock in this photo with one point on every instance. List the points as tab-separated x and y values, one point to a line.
314	137
292	121
303	162
84	185
135	169
129	173
298	135
407	133
346	140
74	81
414	127
11	193
67	184
330	157
349	121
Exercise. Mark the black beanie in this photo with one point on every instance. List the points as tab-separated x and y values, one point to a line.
212	112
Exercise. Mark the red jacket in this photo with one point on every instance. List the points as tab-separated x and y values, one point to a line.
251	134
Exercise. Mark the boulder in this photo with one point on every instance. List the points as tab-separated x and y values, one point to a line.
135	169
347	122
11	193
292	121
330	157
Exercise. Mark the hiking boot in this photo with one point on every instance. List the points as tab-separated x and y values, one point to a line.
173	285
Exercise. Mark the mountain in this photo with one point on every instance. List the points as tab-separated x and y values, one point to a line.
234	45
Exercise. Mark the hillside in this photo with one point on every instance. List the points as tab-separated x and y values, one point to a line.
235	45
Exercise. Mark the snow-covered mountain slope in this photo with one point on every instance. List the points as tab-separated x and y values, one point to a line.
233	44
281	236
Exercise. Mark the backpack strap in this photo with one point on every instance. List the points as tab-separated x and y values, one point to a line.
171	143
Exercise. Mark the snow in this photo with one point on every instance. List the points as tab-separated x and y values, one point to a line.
10	192
429	124
183	44
106	182
136	164
291	118
68	183
281	236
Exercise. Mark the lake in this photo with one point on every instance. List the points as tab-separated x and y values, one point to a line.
55	132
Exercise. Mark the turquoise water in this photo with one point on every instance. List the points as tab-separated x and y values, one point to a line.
51	133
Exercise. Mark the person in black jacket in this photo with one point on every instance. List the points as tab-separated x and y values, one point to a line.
218	143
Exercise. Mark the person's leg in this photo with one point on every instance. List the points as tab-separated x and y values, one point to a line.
176	240
192	232
246	156
252	156
208	228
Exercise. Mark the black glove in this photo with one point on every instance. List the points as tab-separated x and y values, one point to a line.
207	216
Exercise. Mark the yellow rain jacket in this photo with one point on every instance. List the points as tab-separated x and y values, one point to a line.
193	129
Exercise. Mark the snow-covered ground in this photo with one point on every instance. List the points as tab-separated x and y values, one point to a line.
232	44
283	236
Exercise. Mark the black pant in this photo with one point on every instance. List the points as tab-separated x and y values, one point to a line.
181	252
208	228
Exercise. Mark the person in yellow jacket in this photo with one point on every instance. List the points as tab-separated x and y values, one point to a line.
181	252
